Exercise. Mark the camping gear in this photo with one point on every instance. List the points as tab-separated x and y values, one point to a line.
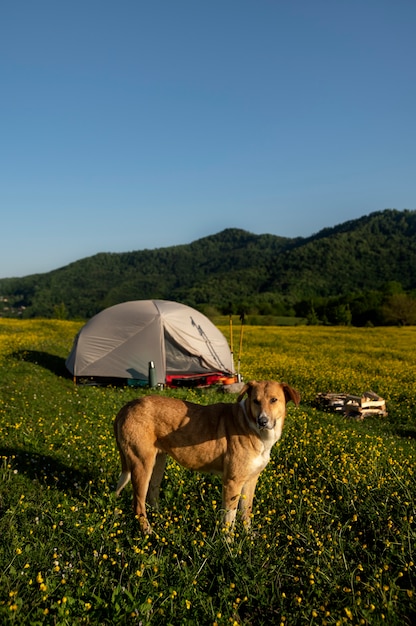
184	346
152	379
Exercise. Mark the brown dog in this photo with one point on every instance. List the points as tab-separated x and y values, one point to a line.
233	440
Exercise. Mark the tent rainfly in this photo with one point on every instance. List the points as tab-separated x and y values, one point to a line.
121	341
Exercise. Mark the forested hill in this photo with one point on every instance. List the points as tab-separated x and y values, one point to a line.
235	270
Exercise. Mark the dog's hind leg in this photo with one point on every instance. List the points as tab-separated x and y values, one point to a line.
156	479
141	472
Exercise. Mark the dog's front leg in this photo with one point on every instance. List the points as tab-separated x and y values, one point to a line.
246	500
231	492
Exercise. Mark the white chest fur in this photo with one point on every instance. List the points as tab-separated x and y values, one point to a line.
267	439
258	463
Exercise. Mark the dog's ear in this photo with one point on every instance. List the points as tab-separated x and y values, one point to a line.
291	394
247	387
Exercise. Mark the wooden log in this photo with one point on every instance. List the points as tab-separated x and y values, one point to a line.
369	403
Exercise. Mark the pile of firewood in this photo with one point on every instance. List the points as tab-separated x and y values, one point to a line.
352	406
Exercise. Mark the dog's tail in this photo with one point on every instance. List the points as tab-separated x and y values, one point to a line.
125	471
123	480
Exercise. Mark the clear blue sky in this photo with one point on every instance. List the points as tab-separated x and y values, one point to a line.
143	124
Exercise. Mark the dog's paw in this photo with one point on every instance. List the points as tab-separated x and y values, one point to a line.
144	525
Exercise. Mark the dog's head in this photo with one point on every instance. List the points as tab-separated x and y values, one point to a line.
266	402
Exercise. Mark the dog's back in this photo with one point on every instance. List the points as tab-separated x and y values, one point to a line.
194	435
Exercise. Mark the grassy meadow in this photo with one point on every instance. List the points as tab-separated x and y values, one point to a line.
333	538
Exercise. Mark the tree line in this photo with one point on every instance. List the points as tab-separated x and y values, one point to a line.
361	272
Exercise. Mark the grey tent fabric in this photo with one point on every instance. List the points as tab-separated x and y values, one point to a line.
120	341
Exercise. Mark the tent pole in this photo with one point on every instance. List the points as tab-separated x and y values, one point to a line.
241	347
231	341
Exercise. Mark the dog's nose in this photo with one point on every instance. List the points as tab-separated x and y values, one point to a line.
262	421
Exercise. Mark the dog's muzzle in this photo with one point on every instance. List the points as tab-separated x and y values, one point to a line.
263	422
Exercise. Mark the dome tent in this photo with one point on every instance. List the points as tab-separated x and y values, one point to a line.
120	341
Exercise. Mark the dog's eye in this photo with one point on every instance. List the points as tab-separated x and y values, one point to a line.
256	401
273	400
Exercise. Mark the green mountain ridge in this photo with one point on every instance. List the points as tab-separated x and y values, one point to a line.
234	270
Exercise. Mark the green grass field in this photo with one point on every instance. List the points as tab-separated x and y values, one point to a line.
334	535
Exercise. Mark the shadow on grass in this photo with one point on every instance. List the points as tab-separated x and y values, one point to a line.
51	362
408	433
56	365
47	470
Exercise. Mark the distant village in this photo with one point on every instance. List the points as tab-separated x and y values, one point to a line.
9	308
